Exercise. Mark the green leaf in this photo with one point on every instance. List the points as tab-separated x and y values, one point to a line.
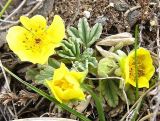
71	49
84	30
45	95
80	66
88	53
31	73
106	66
73	32
53	63
95	33
85	59
65	55
109	90
86	34
136	60
45	74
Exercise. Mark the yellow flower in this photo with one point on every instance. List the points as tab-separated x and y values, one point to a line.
65	85
145	68
35	42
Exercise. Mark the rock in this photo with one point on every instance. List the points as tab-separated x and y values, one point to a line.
133	17
101	19
121	6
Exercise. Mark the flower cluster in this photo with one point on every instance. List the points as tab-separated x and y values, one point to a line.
36	42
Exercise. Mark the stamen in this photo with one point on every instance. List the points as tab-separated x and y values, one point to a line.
38	41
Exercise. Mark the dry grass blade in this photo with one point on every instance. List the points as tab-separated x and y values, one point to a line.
16	10
7	83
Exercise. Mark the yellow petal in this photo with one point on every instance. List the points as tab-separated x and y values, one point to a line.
16	36
71	80
56	91
142	82
60	72
56	30
36	24
74	94
18	39
124	65
150	72
78	75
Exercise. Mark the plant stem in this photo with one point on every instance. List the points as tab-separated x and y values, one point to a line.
136	61
97	102
5	7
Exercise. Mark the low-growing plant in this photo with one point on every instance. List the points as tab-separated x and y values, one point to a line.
68	77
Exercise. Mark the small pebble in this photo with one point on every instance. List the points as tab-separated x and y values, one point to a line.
133	17
111	4
121	6
87	14
101	19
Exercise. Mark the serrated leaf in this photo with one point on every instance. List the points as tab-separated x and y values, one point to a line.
45	74
71	49
109	90
84	30
67	48
65	55
73	32
86	35
72	42
77	46
95	33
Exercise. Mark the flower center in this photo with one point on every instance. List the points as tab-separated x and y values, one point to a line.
37	41
140	70
63	84
32	42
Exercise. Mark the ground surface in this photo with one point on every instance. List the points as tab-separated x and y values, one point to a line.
116	16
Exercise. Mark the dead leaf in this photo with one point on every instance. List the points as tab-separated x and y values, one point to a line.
105	53
125	38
